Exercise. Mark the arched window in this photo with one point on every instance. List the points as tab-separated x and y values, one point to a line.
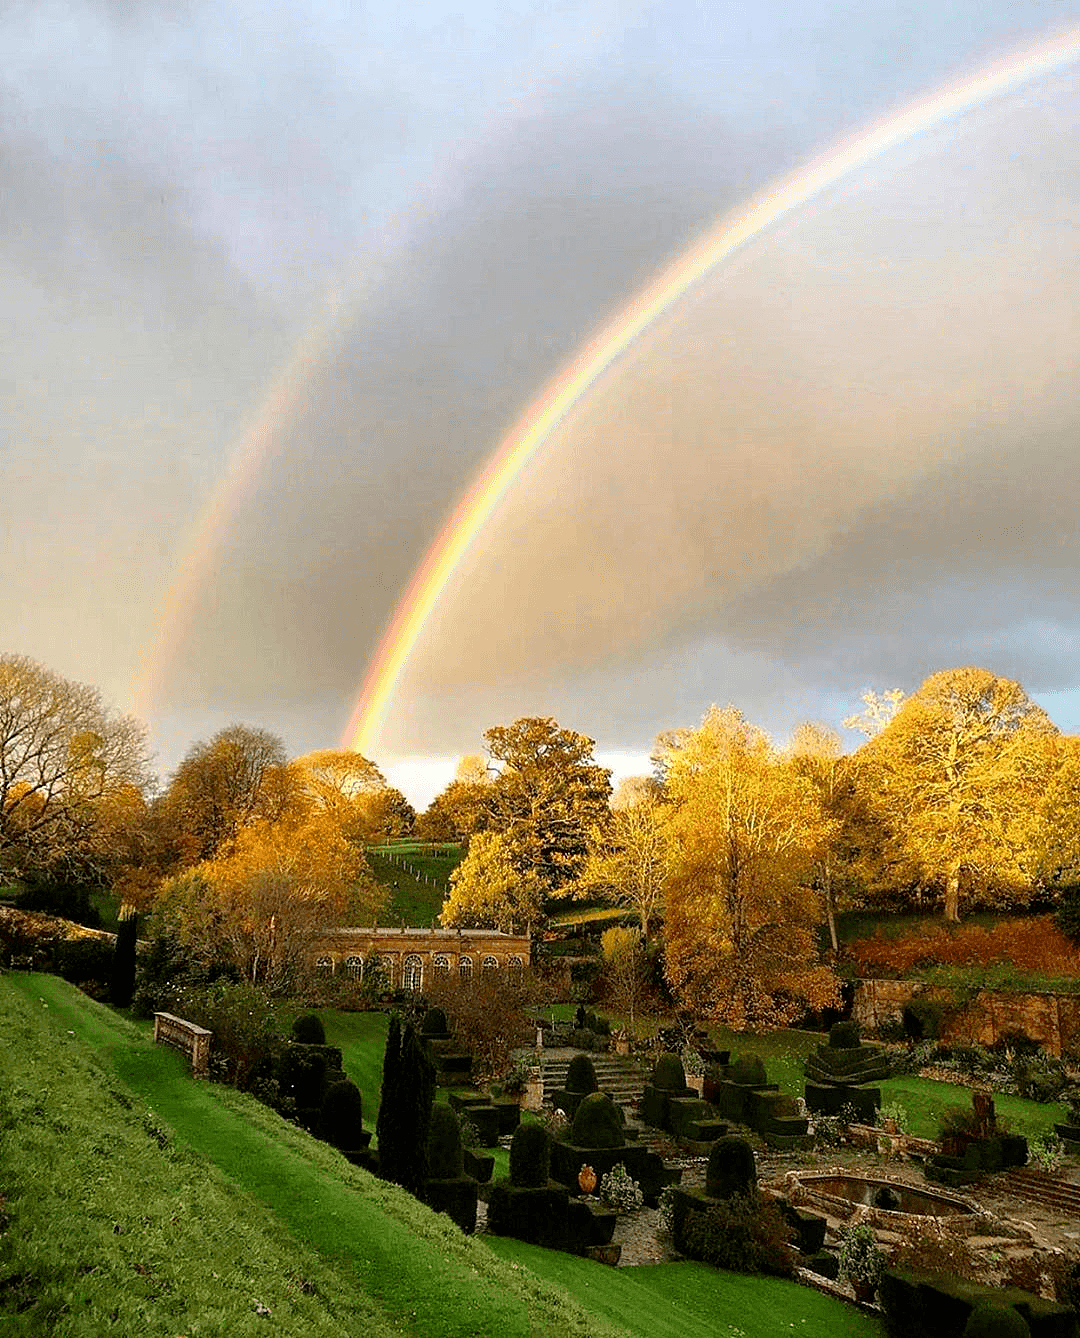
325	966
515	968
354	967
488	966
412	973
440	964
464	967
388	967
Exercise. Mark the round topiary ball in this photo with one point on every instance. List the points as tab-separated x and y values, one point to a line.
530	1156
341	1118
996	1321
580	1075
844	1036
731	1169
434	1023
669	1074
308	1030
597	1123
444	1143
749	1070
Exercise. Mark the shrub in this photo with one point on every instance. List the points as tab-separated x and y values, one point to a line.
731	1169
746	1234
892	1110
244	1022
1067	915
692	1062
861	1258
408	1095
669	1074
844	1036
488	1016
342	1117
580	1075
996	1321
82	960
309	1030
1047	1151
530	1156
444	1143
923	1018
434	1023
163	963
620	1191
749	1070
1040	1077
597	1123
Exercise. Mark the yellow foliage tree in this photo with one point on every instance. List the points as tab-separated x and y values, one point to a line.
741	913
629	860
956	779
496	885
353	791
1058	859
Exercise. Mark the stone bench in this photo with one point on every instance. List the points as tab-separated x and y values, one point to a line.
184	1036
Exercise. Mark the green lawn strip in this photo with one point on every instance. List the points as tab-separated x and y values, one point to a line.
415	1264
687	1300
361	1038
925	1101
110	1226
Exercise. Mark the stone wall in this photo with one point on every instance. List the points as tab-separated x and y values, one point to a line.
1051	1019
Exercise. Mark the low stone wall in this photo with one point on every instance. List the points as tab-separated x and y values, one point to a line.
1051	1019
189	1039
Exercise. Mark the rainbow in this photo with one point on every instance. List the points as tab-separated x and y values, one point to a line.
560	396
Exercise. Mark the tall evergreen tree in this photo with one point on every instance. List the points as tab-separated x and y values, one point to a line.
408	1093
122	984
388	1102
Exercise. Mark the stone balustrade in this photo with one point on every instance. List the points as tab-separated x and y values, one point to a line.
184	1036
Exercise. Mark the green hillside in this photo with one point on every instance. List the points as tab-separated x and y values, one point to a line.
416	875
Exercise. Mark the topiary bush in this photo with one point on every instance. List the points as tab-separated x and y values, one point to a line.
597	1123
996	1321
445	1158
82	960
749	1071
580	1075
434	1023
844	1036
530	1156
669	1074
731	1169
746	1234
309	1030
342	1118
122	982
922	1019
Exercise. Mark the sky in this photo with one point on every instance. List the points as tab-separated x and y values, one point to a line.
275	289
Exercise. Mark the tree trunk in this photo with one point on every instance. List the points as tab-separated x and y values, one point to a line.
952	895
830	911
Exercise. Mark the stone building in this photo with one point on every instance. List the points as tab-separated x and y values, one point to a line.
413	956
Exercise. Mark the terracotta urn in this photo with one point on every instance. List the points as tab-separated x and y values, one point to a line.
587	1179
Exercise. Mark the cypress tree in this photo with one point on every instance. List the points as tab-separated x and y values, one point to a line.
122	982
417	1097
388	1102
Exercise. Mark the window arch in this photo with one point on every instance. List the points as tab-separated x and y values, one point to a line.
354	967
515	968
440	964
488	966
325	965
464	967
388	967
412	972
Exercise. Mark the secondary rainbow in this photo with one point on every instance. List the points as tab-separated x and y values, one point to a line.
558	399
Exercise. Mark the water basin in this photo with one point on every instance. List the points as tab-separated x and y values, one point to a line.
841	1191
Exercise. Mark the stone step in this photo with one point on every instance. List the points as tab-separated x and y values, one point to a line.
1038	1187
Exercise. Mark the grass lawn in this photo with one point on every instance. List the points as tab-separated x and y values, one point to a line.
409	898
354	1255
925	1102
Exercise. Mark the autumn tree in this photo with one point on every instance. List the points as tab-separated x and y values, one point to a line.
353	791
495	884
459	810
241	775
956	778
548	795
1058	841
633	790
625	973
878	711
64	757
741	912
629	859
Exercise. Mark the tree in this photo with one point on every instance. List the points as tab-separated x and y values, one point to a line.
878	711
548	796
63	756
1058	842
957	777
633	790
815	753
240	775
408	1094
625	972
459	810
353	791
629	860
496	884
741	912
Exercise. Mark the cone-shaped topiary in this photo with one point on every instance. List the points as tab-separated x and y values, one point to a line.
580	1075
309	1030
342	1117
844	1036
749	1071
122	981
444	1143
732	1169
996	1321
670	1074
530	1156
434	1023
597	1123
